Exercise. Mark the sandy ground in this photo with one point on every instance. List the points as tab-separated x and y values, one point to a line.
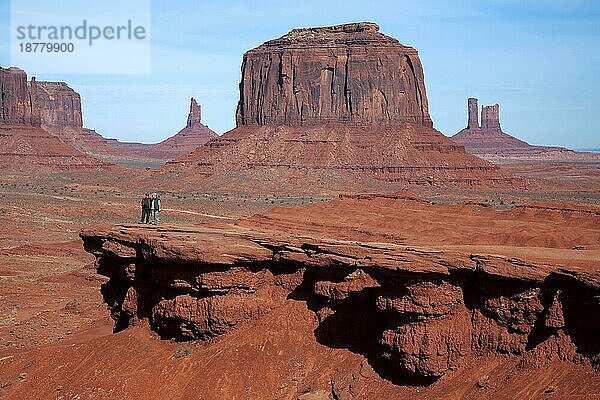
51	309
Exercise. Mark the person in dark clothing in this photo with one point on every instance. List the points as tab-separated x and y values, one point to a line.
146	202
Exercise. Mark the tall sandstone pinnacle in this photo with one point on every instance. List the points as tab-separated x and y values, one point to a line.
473	111
335	104
190	137
195	115
490	142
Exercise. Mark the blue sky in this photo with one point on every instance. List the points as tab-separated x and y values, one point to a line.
538	59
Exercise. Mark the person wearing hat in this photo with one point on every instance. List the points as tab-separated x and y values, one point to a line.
155	208
146	203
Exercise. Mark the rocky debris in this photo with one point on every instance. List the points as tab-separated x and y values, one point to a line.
489	141
415	311
355	282
555	317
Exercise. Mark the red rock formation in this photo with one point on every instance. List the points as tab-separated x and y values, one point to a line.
490	142
61	115
473	110
59	104
24	145
30	148
195	115
317	75
192	136
344	99
423	307
18	100
490	118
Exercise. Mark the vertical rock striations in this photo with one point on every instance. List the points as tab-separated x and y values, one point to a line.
338	100
195	115
348	73
24	145
17	98
59	104
473	111
490	118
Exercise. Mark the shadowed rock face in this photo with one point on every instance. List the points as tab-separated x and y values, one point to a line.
414	311
347	73
18	102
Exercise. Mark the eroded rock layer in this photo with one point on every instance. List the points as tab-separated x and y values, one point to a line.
59	104
411	310
25	146
18	100
411	154
30	148
348	73
342	100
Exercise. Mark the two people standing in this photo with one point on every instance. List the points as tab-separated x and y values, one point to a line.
150	209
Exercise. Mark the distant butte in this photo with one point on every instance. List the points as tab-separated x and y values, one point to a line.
24	145
489	141
61	115
344	99
193	135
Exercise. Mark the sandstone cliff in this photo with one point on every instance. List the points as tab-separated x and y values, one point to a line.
339	103
416	305
18	100
59	104
25	146
348	73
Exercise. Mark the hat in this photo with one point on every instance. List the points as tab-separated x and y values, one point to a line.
153	194
146	194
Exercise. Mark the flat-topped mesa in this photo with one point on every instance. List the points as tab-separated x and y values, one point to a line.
59	105
18	104
490	118
349	73
195	115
